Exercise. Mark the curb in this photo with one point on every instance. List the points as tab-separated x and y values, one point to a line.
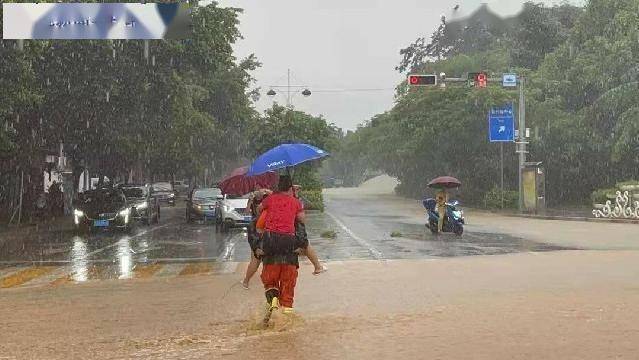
569	218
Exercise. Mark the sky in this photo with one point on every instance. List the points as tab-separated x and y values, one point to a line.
331	45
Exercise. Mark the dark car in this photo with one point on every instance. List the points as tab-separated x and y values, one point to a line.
105	208
203	204
163	191
145	208
181	187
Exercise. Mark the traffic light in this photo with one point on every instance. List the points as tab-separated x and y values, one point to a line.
478	79
422	80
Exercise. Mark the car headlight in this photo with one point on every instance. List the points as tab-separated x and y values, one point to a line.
198	206
171	195
125	212
77	214
141	206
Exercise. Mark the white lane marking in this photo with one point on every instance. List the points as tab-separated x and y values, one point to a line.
229	247
371	249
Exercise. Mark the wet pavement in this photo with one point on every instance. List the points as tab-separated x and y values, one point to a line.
362	227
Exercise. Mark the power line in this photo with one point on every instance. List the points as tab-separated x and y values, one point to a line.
352	90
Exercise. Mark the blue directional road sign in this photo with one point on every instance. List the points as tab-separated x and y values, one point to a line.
510	80
501	124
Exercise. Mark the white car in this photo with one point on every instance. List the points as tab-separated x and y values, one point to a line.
233	212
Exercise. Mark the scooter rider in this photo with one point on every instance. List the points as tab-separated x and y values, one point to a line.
442	200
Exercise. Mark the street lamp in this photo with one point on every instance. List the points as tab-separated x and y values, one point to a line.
305	92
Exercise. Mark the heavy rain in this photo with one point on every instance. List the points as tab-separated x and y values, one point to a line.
318	180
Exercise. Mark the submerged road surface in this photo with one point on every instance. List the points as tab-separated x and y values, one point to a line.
393	290
357	225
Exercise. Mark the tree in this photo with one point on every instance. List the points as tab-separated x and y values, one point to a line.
539	31
281	125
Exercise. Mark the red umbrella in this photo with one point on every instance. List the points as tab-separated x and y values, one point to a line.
238	183
447	182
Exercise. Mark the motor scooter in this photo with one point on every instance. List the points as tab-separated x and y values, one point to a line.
453	222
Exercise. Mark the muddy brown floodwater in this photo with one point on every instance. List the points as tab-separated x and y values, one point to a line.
408	297
562	305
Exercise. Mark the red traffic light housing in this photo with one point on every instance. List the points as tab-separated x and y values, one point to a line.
478	79
422	80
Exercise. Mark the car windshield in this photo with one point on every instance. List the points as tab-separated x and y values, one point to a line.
162	187
114	198
134	192
208	194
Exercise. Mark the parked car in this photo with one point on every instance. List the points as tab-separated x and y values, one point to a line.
203	204
181	187
145	208
233	212
163	191
105	208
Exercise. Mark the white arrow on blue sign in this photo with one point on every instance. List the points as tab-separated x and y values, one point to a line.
501	124
510	80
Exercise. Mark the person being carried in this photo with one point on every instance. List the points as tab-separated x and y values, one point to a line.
279	246
256	229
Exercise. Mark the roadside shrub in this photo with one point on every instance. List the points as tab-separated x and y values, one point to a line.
312	199
492	199
629	182
600	196
396	234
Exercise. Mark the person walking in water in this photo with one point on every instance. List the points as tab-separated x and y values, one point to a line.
279	246
256	229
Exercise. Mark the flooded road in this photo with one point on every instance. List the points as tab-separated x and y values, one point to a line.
171	290
364	228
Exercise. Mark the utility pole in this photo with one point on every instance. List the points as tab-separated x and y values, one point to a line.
521	139
288	88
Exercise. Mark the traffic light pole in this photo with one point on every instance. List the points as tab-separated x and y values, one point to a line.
520	142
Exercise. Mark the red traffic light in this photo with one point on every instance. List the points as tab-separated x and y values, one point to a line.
479	79
422	80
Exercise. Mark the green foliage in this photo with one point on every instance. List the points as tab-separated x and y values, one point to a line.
281	125
171	114
313	200
580	66
600	196
628	182
540	30
492	199
396	234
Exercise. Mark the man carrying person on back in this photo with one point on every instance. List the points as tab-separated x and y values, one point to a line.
279	247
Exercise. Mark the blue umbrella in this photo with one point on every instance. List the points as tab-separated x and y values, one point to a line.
284	156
